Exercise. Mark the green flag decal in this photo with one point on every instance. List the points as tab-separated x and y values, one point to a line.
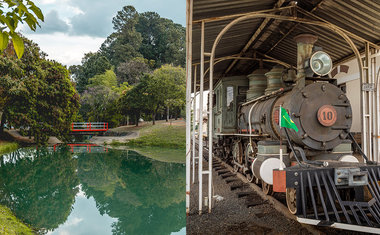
286	121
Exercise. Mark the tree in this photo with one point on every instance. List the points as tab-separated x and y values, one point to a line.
166	88
162	89
133	102
13	12
163	40
98	104
124	43
92	64
132	70
107	79
37	95
144	35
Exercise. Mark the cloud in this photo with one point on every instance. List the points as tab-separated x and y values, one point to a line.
96	19
64	48
53	24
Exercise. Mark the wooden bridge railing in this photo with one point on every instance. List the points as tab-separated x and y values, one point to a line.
89	126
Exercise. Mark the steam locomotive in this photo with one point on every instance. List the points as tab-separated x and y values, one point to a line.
315	166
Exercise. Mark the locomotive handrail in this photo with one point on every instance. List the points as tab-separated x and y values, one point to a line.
292	148
360	150
281	90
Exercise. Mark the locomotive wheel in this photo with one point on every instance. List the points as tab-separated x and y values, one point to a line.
236	168
267	188
291	200
238	152
250	177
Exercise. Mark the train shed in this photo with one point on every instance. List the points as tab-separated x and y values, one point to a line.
233	38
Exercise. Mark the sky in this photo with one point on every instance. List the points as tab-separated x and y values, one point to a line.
75	27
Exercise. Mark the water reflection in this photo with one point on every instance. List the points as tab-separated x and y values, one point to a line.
81	148
136	195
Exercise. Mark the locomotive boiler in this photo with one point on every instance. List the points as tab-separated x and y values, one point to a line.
314	166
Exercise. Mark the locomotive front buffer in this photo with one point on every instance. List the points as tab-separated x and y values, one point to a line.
344	195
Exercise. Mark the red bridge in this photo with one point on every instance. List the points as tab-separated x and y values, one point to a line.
83	148
89	126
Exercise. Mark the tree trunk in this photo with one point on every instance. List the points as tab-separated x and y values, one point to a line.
167	114
154	118
3	119
137	117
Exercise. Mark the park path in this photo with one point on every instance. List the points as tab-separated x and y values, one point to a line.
30	140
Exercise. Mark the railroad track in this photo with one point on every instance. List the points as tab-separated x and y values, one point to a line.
252	194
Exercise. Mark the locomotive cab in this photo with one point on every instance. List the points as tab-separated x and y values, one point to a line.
229	93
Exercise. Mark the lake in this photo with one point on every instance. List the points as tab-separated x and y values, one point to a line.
87	189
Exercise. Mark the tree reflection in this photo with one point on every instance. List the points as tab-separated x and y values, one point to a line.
146	196
39	186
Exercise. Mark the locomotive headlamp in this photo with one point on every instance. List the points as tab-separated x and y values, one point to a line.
320	63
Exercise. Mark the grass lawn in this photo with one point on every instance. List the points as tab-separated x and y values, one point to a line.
9	224
163	135
159	135
6	147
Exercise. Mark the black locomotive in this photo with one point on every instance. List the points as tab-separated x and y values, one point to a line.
315	166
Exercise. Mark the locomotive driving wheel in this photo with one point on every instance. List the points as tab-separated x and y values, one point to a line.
249	153
291	200
267	188
237	153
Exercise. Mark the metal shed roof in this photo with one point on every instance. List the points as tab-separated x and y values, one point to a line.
273	38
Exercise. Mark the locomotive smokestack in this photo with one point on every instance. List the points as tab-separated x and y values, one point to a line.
305	43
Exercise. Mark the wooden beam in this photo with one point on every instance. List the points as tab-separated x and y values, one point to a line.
254	37
229	17
293	28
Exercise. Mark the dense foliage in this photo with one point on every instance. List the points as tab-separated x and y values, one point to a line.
36	95
136	73
13	12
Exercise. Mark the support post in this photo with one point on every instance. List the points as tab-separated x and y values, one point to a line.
366	121
210	130
194	119
189	20
377	80
200	119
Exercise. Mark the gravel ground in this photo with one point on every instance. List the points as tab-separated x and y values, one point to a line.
232	216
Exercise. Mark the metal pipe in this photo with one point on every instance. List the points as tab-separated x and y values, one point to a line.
200	129
250	124
378	112
365	127
189	20
375	118
210	127
194	119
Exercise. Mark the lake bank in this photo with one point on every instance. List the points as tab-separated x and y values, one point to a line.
164	141
8	222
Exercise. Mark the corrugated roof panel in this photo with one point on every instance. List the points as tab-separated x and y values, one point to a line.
360	17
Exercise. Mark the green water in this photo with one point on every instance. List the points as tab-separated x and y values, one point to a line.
104	191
